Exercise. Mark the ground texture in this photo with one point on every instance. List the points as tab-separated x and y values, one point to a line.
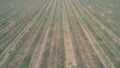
59	33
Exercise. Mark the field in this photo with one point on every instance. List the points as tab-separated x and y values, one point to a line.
59	33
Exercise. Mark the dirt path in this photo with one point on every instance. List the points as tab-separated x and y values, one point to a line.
70	58
69	50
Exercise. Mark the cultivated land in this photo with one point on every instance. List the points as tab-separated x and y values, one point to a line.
59	33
